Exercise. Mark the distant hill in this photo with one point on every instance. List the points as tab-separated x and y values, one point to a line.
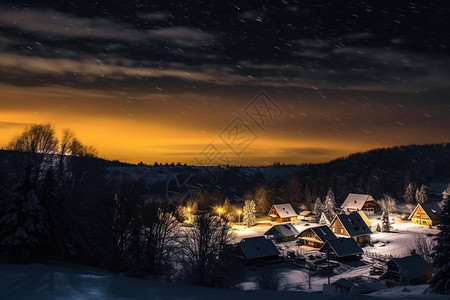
377	172
381	171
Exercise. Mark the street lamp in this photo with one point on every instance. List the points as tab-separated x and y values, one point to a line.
239	214
220	210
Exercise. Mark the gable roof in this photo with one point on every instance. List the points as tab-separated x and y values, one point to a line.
258	247
283	230
412	266
324	233
356	201
284	210
343	247
353	224
432	209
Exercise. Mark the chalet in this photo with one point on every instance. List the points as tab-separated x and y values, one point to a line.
307	215
282	232
351	225
342	248
426	213
257	249
356	202
316	236
282	213
409	270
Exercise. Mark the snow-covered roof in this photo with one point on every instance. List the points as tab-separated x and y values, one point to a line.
283	230
324	233
412	266
306	213
356	201
353	224
343	247
258	247
432	209
284	210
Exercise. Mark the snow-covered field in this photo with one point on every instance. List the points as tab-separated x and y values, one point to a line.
38	281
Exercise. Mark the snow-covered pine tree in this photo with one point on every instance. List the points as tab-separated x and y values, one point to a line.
440	282
318	207
385	223
330	205
421	195
248	213
446	193
409	194
324	220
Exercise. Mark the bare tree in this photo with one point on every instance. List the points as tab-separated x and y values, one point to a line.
203	247
249	211
387	204
38	141
423	246
262	200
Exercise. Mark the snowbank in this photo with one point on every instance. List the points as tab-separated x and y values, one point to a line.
38	281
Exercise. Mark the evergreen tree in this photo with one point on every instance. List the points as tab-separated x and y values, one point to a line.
409	194
318	207
330	205
385	223
248	212
440	282
421	195
308	197
23	226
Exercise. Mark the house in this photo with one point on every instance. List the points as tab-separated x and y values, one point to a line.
426	213
351	225
282	232
316	236
355	202
282	213
307	215
257	249
409	270
342	248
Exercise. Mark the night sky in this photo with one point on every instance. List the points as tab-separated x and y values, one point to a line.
242	82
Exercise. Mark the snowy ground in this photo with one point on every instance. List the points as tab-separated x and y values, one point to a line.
51	282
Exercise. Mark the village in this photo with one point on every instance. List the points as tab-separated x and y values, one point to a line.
362	249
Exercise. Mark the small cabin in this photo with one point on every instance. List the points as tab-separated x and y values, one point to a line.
257	249
409	270
316	236
282	213
426	214
356	202
282	232
351	225
342	249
